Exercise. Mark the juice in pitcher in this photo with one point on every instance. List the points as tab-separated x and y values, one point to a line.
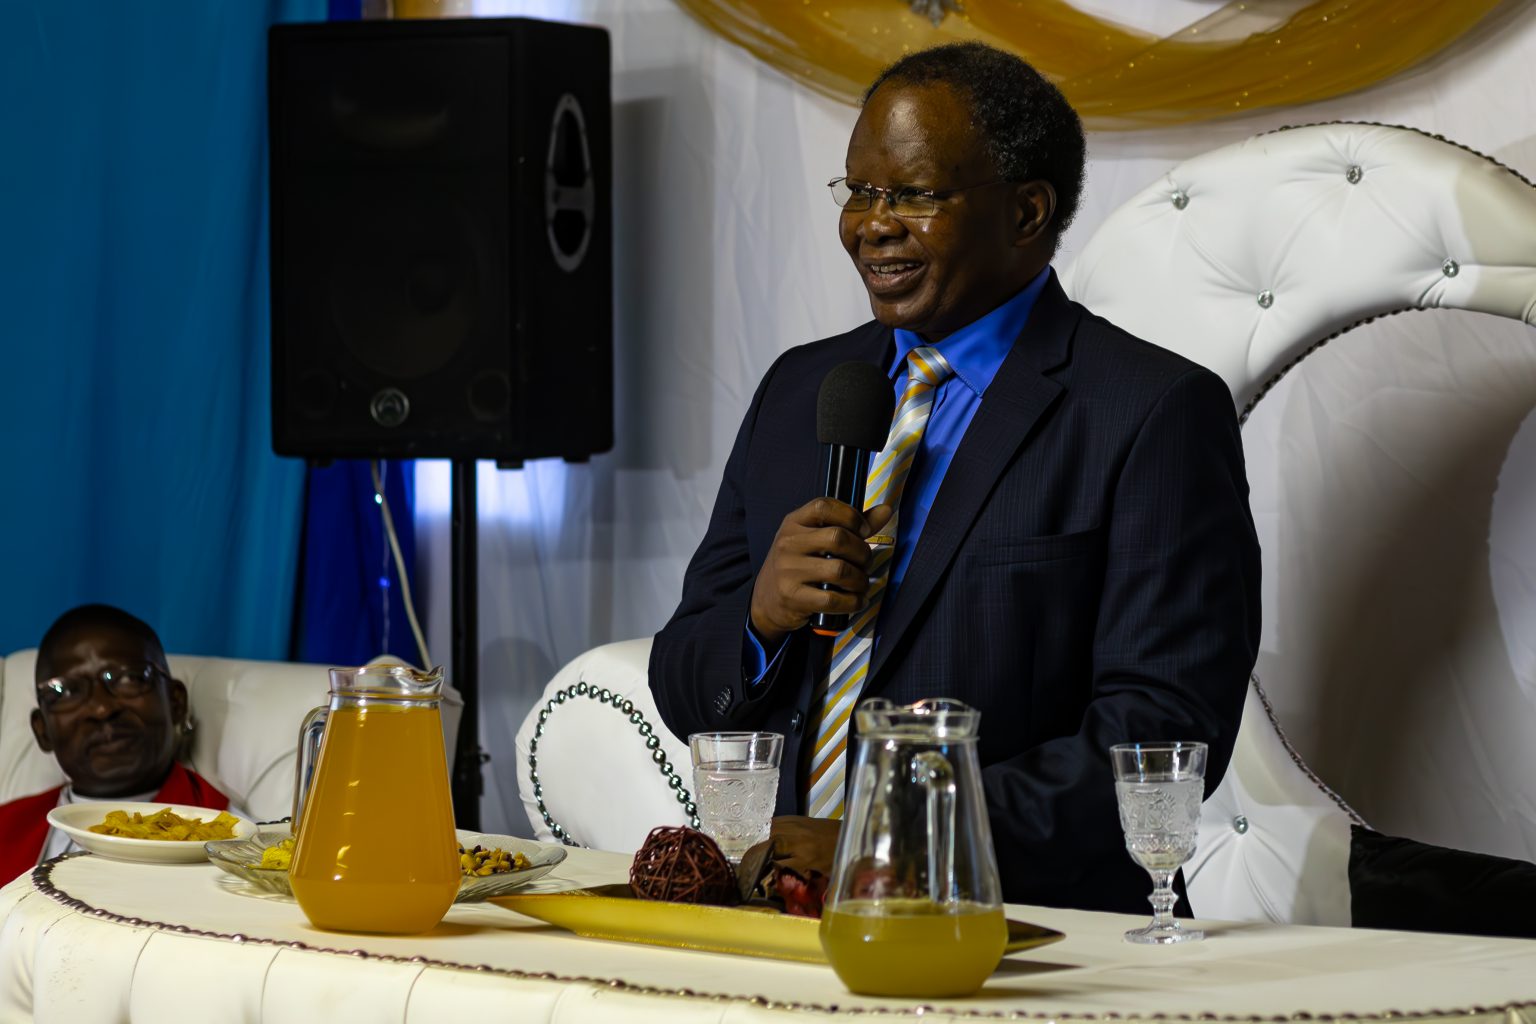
376	849
913	948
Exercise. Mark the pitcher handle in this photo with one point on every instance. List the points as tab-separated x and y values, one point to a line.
929	768
308	756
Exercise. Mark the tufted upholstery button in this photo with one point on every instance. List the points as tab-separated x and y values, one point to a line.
1179	198
1354	174
1450	268
1240	825
1266	299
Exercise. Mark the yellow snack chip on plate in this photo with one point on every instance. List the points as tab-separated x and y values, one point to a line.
165	824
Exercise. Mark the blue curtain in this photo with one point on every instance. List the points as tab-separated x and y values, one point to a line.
134	323
351	603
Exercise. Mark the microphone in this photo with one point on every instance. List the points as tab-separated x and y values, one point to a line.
853	417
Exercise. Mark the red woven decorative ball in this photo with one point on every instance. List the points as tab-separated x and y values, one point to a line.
682	865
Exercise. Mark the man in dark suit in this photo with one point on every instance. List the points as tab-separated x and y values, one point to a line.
1073	552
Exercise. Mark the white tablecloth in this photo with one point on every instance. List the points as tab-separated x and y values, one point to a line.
99	942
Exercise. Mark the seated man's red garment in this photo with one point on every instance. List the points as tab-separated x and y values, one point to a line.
24	822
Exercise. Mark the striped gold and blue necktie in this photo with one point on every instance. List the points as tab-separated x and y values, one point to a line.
849	667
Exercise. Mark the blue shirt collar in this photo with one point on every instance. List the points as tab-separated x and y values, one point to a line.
978	349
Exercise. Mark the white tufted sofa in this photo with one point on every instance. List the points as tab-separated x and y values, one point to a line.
245	742
1244	259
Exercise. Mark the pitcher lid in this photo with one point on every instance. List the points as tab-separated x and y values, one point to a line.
932	718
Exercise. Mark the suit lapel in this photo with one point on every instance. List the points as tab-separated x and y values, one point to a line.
1015	400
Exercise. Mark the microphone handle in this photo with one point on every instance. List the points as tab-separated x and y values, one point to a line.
844	474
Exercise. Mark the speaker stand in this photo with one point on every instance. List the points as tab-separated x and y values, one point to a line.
468	781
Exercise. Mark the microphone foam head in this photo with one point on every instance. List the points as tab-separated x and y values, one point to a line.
854	406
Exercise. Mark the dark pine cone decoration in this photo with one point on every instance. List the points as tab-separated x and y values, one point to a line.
682	865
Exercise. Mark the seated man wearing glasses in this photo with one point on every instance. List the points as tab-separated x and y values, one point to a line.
1070	549
109	711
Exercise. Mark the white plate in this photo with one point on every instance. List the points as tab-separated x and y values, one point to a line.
75	820
242	858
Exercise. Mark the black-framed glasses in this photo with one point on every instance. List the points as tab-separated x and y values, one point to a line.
904	200
63	693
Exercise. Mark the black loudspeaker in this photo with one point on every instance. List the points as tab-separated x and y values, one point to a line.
442	256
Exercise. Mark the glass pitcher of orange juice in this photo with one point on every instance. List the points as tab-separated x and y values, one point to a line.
376	850
915	907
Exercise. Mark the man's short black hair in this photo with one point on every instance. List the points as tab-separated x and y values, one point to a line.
1029	129
95	616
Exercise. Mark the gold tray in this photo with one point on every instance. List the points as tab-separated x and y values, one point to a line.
612	912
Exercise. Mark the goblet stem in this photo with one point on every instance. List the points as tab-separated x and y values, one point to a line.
1163	929
1162	900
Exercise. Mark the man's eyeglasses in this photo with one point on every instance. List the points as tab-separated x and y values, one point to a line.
904	200
62	693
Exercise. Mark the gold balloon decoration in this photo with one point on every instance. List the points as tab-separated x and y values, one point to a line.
1243	56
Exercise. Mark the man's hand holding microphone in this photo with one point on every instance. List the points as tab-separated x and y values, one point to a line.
817	569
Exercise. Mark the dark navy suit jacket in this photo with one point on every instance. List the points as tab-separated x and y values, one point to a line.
1088	575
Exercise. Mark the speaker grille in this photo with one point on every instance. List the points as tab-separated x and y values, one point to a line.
404	284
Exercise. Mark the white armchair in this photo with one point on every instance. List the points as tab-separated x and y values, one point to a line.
1244	259
1273	247
247	716
596	762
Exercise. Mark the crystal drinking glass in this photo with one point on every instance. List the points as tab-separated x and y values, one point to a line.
736	784
1159	787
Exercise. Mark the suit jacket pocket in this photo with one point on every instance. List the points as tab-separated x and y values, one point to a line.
1050	548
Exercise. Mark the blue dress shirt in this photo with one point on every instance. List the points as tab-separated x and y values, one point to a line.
975	352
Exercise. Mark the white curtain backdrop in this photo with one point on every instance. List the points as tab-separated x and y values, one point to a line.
1392	474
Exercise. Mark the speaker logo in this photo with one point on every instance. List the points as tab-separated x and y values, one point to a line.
570	194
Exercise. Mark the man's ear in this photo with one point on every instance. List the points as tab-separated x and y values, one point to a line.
178	693
1037	210
40	731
